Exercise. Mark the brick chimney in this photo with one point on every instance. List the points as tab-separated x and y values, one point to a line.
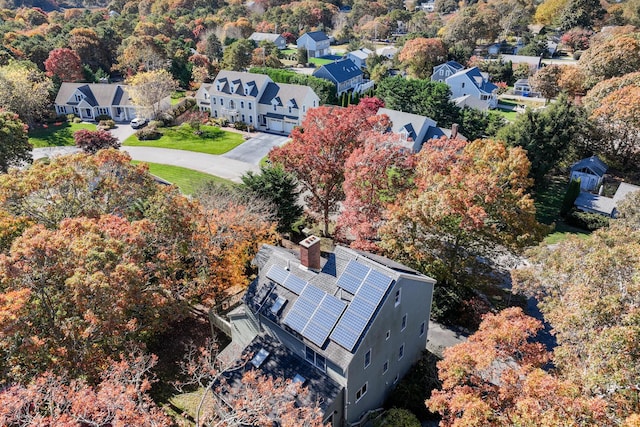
454	131
310	252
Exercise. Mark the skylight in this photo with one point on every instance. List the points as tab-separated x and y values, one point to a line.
259	358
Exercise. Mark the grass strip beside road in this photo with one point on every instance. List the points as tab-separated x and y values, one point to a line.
188	180
213	140
56	135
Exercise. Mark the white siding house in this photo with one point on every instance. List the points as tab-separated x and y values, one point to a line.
316	42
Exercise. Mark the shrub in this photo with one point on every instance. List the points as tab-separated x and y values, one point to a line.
93	141
398	417
586	221
106	124
240	126
77	120
156	124
70	117
570	197
102	117
220	122
166	118
148	133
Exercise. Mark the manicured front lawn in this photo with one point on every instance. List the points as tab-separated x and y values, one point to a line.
213	140
53	135
188	180
320	61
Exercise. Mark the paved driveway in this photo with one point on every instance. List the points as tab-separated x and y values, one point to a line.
255	148
122	131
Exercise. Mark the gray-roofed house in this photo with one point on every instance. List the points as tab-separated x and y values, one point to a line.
90	100
473	82
442	71
344	73
359	57
534	62
590	171
522	87
256	100
348	325
607	206
316	42
276	39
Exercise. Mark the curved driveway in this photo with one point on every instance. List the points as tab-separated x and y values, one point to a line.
231	165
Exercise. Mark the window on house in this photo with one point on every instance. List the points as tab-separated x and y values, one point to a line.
361	392
395	380
241	104
215	113
367	358
289	110
404	323
388	334
275	107
243	118
222	102
385	367
422	327
250	119
398	297
314	102
304	107
213	101
315	359
249	106
401	352
462	84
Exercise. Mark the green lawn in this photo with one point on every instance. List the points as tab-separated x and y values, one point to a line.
320	61
56	135
212	141
548	202
188	180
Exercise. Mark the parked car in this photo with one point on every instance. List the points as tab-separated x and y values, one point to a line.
138	122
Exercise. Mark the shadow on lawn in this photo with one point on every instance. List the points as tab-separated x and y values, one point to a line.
54	135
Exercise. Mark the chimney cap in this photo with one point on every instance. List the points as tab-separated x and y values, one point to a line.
310	241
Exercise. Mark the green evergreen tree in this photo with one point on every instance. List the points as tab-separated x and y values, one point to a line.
573	191
279	187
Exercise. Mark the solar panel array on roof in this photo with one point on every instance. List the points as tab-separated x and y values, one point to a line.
314	314
286	279
351	279
372	288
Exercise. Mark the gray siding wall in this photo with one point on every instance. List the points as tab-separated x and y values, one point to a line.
415	302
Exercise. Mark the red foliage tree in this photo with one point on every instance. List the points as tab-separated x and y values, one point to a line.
371	104
318	152
92	141
65	64
374	176
121	398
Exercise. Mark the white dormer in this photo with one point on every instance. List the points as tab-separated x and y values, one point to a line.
248	87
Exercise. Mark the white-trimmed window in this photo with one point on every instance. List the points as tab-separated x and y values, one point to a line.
388	335
385	367
361	392
249	106
422	328
241	104
398	297
401	352
404	323
367	358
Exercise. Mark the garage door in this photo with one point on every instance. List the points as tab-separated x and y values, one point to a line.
288	127
275	125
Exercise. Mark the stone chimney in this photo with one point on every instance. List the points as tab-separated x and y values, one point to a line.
310	252
454	131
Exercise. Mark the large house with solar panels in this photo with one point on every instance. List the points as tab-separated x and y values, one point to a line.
347	326
256	100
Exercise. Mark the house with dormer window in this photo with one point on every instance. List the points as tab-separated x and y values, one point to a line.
346	75
256	100
474	83
90	100
347	325
442	71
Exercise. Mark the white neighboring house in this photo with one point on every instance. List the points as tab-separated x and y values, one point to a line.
472	82
256	100
316	42
359	57
90	100
387	51
442	71
276	39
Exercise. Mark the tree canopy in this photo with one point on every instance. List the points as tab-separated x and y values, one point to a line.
14	144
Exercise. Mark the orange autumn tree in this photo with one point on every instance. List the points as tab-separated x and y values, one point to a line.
496	378
469	198
420	55
75	295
